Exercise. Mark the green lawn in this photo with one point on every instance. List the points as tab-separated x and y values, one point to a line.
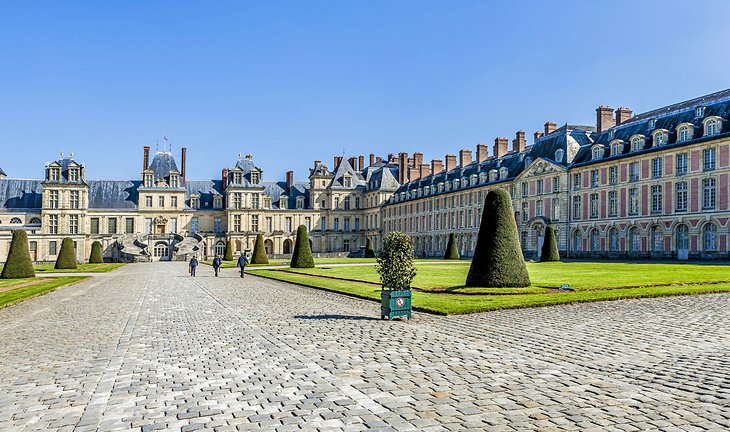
13	296
592	282
317	261
82	268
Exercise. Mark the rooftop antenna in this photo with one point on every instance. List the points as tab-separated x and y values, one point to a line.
167	144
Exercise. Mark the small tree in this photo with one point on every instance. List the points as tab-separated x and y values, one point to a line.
66	256
452	252
259	251
18	264
302	256
97	256
395	265
369	251
498	260
228	254
549	246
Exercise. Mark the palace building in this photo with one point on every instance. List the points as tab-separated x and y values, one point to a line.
652	185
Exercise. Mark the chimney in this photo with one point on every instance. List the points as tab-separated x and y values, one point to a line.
519	143
372	159
450	162
361	162
500	147
353	162
403	167
604	118
622	115
183	158
425	170
146	158
537	136
464	157
414	173
290	181
549	127
337	161
417	160
224	177
482	152
437	166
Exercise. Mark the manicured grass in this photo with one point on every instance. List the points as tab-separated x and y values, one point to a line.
317	261
448	304
82	268
19	294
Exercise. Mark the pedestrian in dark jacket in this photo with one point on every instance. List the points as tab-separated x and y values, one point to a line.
193	266
242	261
217	261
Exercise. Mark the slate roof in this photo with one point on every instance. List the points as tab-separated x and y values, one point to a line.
2	172
207	189
276	189
114	194
65	163
20	194
341	170
162	164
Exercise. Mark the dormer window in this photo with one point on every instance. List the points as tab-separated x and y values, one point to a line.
195	202
300	202
503	173
148	180
699	112
559	153
237	178
73	175
597	153
255	177
617	147
652	123
283	202
218	202
712	126
684	133
174	181
456	183
348	182
660	138
54	174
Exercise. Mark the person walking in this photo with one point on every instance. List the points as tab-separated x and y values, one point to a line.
193	266
217	261
242	261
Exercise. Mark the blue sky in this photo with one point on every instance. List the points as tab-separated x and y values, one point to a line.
291	82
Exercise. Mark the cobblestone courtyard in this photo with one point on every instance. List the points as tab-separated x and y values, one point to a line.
148	348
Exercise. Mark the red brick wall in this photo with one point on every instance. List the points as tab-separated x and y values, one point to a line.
723	191
645	169
622	202
646	198
669	165
603	202
695	162
694	195
668	199
724	156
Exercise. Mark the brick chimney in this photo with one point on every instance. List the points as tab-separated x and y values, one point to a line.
500	147
537	135
519	143
550	127
290	181
437	166
623	114
146	158
417	160
353	162
183	158
403	167
361	162
337	161
464	157
414	173
372	159
425	170
224	177
482	152
604	118
450	162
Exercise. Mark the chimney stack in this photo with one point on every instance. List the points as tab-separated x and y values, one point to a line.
337	161
361	162
414	173
425	170
549	127
519	143
482	152
372	159
224	178
464	157
353	162
604	118
437	166
290	181
500	147
537	136
450	162
622	115
403	167
146	158
417	160
183	158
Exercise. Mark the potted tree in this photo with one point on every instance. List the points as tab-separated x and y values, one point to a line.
396	270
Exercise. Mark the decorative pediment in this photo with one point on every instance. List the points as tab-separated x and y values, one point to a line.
541	167
160	220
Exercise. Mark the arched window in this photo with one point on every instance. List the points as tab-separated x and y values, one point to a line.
35	220
595	240
597	153
616	148
220	248
657	238
636	144
493	175
634	239
712	127
16	221
709	237
577	241
659	139
613	240
503	173
683	133
559	153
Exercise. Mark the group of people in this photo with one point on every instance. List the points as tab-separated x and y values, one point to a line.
217	263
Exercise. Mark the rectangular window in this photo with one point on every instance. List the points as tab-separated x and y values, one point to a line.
161	201
613	175
237	200
656	168
173	225
525	215
129	225
594	205
269	224
540	208
337	224
556	185
111	226
148	201
52	247
73	224
656	199
237	223
634	171
613	203
357	224
194	225
594	178
633	201
577	179
289	225
556	209
708	193
709	159
681	164
576	208
74	199
308	222
73	175
323	224
524	189
680	201
254	223
347	224
53	199
255	202
173	202
53	224
217	225
540	187
148	225
347	203
94	226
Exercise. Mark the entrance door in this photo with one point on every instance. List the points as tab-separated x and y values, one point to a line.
540	241
33	246
682	242
160	229
161	251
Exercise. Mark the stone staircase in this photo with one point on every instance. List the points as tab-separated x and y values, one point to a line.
132	249
184	248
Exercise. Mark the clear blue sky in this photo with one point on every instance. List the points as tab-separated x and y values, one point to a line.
291	82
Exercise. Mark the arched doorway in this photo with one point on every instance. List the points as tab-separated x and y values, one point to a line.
287	247
269	246
220	248
682	242
161	251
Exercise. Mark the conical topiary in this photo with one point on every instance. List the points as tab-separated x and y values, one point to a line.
302	256
228	254
259	251
452	252
18	263
549	246
498	260
66	256
97	256
369	251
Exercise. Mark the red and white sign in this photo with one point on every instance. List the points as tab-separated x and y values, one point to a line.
400	301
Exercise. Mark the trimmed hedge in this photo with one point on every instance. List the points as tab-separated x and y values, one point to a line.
97	256
302	256
66	256
369	251
18	264
498	260
549	246
259	251
228	254
452	252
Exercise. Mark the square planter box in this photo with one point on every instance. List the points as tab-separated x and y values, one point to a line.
394	303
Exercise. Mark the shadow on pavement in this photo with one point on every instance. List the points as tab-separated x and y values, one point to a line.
340	317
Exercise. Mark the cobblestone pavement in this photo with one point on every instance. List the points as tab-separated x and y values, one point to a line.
147	348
